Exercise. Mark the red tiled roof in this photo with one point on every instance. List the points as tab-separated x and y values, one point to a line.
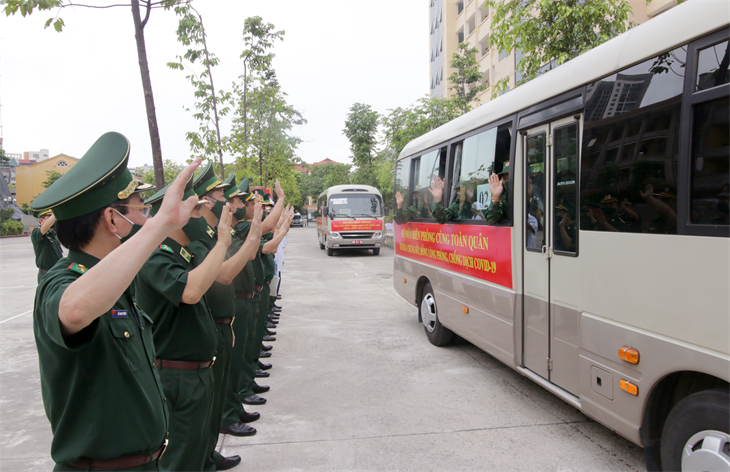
326	161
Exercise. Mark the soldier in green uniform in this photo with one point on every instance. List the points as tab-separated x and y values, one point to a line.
248	232
45	244
220	298
248	384
172	290
101	389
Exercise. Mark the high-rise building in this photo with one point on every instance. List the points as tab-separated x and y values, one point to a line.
456	21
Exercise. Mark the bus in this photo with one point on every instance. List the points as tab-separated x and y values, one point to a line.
600	271
351	217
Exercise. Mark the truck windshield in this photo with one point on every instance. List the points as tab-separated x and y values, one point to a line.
356	205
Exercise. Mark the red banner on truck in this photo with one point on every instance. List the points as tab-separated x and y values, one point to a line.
484	252
357	225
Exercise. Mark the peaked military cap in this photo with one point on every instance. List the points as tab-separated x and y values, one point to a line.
232	190
156	199
505	168
267	200
609	199
99	179
43	213
668	192
246	193
206	180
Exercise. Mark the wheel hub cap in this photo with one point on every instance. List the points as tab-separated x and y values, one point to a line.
428	312
707	451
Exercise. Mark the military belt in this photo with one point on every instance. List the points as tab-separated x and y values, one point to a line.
268	282
183	365
258	288
228	321
120	463
244	295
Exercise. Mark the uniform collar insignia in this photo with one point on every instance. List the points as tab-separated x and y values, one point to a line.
186	255
210	231
78	268
167	248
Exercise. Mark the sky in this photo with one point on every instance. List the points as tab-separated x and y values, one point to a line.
61	91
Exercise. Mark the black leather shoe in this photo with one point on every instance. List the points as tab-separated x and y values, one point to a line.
264	354
271	321
270	332
268	339
278	297
250	417
239	429
260	388
270	325
261	374
254	400
228	463
264	366
266	347
277	306
275	310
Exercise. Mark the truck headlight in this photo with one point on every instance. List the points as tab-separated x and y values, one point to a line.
334	235
377	235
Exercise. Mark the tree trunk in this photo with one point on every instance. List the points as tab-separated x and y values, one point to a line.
148	98
212	92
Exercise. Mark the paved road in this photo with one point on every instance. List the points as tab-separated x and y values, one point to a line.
355	384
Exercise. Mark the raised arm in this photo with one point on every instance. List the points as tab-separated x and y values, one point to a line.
95	292
202	277
247	251
48	224
273	218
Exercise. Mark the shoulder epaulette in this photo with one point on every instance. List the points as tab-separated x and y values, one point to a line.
78	268
167	248
233	231
210	231
186	255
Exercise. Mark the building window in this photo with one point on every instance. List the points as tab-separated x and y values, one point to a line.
459	8
461	37
61	164
502	55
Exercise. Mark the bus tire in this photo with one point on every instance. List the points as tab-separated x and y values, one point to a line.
437	334
376	251
697	432
330	251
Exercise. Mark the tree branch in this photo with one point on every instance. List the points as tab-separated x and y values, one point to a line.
147	15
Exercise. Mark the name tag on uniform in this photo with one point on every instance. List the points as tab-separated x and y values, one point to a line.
120	314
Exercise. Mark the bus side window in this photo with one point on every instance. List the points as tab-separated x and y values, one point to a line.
474	161
402	168
424	171
629	161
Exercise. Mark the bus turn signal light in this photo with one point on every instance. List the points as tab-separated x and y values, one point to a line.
629	387
465	309
629	354
404	280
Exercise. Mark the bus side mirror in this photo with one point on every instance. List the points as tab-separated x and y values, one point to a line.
325	211
387	211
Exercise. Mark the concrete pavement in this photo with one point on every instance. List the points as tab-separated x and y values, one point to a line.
355	384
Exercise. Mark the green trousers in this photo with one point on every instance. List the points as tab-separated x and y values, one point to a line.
152	466
189	395
261	307
241	328
221	372
253	348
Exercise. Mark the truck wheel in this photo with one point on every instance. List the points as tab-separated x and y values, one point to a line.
436	333
330	251
696	435
376	251
321	246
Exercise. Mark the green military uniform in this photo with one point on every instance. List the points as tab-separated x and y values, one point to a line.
47	250
101	390
220	299
185	338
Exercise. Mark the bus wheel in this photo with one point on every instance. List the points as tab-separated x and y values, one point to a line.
436	333
330	251
376	251
696	435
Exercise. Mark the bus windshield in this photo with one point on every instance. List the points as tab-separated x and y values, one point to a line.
368	206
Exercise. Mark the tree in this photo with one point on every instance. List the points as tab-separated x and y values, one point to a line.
51	176
361	129
324	176
206	142
172	169
465	76
26	7
551	32
403	125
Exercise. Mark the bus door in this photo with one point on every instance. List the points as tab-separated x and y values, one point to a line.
550	252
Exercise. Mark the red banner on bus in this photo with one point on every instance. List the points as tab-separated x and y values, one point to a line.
484	252
357	225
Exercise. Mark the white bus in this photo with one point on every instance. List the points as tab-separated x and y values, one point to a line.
605	277
351	217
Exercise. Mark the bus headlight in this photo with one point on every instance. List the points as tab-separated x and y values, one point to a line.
334	235
377	235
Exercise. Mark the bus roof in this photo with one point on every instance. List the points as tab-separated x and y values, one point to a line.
673	28
361	189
